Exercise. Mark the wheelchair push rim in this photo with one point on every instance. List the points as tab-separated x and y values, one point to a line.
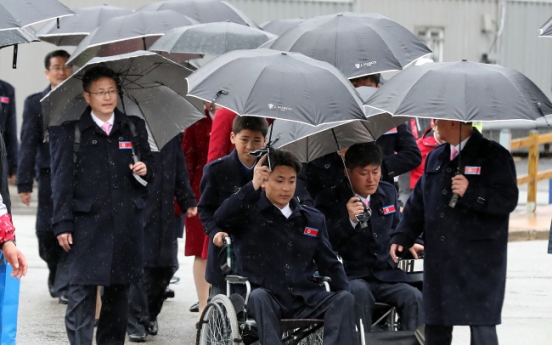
218	324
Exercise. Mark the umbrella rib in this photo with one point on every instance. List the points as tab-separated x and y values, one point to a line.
369	131
147	123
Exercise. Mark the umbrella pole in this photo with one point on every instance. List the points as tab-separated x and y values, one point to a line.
343	161
269	146
144	42
455	196
15	48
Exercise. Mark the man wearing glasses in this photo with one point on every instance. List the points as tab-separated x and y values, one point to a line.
98	192
34	162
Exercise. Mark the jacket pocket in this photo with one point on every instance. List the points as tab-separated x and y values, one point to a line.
140	203
82	206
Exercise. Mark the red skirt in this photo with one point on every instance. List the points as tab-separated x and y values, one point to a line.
195	237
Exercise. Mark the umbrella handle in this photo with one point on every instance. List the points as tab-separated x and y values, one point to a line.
215	98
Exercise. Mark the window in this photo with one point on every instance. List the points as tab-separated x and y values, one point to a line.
434	38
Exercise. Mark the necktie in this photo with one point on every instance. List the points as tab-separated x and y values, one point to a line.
367	203
106	127
453	153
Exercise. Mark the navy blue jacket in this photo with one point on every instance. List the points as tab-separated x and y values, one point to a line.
322	173
365	252
34	160
277	253
8	124
161	223
99	201
221	178
465	246
400	153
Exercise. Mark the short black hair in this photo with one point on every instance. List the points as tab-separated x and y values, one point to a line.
283	158
361	155
375	78
55	53
97	73
254	124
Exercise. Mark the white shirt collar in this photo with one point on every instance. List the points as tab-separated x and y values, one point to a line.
286	211
363	199
461	146
100	122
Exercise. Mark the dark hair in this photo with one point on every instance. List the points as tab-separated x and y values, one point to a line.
96	73
375	78
55	53
254	124
283	158
361	155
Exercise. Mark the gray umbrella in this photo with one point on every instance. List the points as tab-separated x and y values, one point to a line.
211	38
357	44
20	13
461	91
546	29
204	11
152	88
268	44
273	84
279	26
10	37
74	29
128	33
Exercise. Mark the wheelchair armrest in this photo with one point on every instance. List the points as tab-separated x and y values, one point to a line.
235	279
320	279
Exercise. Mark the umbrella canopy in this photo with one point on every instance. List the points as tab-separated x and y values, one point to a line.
204	11
461	91
546	29
268	44
20	13
152	88
277	85
211	38
279	26
127	33
74	29
357	44
10	37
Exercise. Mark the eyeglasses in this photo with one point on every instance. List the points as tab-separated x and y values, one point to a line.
59	68
102	94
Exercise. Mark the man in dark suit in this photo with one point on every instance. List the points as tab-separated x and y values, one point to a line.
98	202
34	162
363	243
465	243
160	238
8	125
279	244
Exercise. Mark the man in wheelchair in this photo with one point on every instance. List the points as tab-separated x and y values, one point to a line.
279	245
360	216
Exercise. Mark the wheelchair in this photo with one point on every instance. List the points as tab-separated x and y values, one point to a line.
224	320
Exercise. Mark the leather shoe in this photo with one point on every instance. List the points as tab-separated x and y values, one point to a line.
168	293
194	308
153	327
138	337
63	299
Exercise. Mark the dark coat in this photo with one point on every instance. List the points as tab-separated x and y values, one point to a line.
400	153
100	203
322	173
465	246
221	178
4	188
161	223
34	160
274	253
365	252
8	124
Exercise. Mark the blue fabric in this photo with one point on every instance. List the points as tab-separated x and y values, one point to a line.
9	304
550	240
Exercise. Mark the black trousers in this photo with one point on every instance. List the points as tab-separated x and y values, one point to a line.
337	311
79	318
55	257
406	298
146	299
442	335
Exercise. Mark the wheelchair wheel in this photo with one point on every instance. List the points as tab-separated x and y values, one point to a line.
315	338
218	324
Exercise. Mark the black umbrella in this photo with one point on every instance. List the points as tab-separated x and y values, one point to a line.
204	11
461	91
279	26
357	44
74	29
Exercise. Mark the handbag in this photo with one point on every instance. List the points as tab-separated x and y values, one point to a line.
9	303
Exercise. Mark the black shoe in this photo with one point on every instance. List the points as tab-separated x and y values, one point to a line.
138	337
168	293
194	308
63	299
52	291
153	328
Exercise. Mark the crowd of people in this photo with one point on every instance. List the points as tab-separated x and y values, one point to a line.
111	207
